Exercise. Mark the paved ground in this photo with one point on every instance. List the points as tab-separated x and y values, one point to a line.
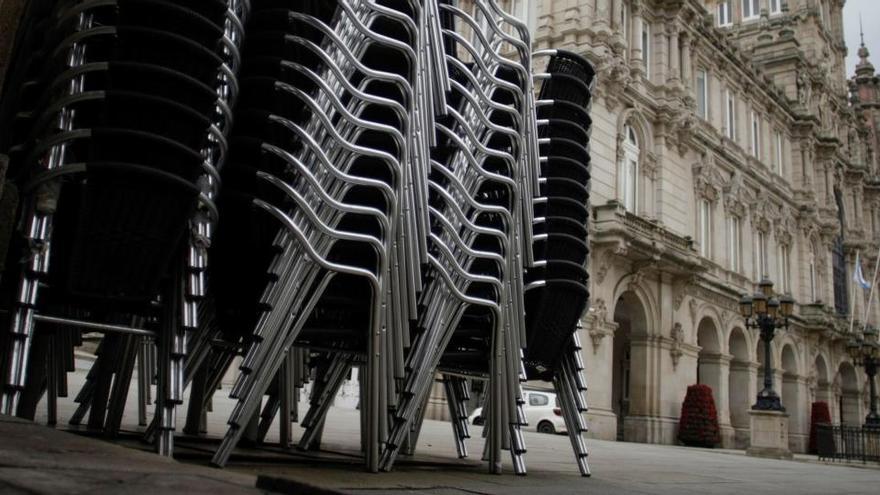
38	459
618	468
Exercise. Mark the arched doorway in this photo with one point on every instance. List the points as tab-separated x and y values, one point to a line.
848	403
631	319
823	383
791	397
739	390
709	364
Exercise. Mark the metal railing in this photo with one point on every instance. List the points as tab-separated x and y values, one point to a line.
848	443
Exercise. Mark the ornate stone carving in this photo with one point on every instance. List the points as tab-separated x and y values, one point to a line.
597	324
736	196
616	75
708	181
727	317
803	88
600	310
677	336
602	267
764	212
785	226
605	260
649	168
635	280
692	308
680	289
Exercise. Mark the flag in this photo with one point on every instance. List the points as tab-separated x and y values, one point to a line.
859	277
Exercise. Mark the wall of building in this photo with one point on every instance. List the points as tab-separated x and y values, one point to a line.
665	281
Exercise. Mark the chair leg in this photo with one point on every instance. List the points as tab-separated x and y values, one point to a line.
38	234
285	394
172	350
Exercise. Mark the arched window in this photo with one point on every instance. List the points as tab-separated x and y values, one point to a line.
629	172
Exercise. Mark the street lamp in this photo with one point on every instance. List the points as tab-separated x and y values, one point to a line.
767	313
865	351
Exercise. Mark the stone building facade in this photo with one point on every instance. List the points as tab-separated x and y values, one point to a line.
728	145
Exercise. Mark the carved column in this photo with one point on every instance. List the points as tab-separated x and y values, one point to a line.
635	41
857	212
603	11
829	183
686	67
674	73
616	16
805	174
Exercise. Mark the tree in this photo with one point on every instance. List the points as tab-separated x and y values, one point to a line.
698	425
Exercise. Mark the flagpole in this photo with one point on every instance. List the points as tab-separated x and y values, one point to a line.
873	284
852	317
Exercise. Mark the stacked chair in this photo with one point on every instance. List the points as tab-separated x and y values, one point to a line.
122	111
472	300
401	197
320	146
557	285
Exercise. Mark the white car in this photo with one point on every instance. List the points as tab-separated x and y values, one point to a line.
541	409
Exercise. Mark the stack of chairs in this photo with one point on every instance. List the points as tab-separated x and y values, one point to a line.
557	285
320	146
122	111
471	322
397	199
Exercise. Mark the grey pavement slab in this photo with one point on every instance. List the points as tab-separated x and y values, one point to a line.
618	468
39	459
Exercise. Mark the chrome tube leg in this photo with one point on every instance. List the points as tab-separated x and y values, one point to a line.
172	349
52	381
121	384
196	402
143	381
22	321
317	415
454	405
84	397
412	439
270	410
103	381
374	347
285	388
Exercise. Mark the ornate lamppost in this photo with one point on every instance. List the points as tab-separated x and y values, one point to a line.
767	313
865	351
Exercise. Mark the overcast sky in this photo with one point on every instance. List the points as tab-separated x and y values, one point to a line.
870	11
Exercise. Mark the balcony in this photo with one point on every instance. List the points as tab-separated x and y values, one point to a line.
644	239
825	320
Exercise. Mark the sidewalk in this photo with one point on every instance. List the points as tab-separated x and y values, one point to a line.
36	459
618	468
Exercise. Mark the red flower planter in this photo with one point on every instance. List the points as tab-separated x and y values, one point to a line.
698	425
